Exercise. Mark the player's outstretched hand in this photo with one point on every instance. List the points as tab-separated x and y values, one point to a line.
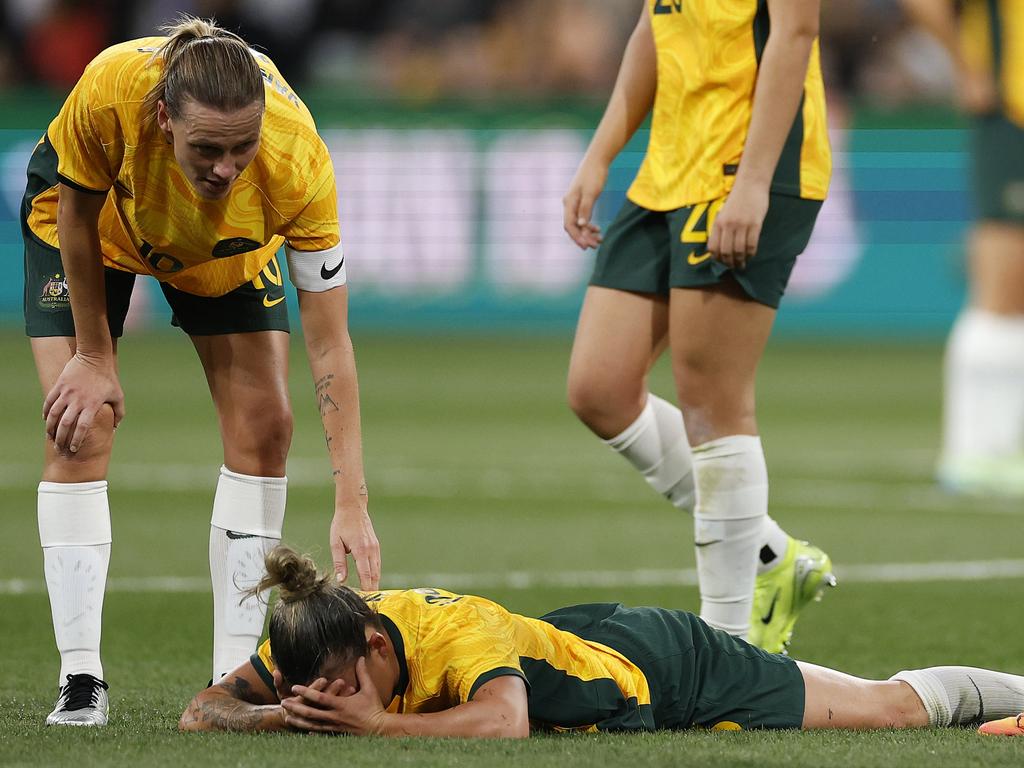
352	534
84	386
337	707
578	203
737	228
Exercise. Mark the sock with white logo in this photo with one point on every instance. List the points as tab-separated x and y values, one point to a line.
965	695
248	514
729	525
983	415
74	531
656	445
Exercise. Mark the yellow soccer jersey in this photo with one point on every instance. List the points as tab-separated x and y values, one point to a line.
153	221
448	645
992	33
708	53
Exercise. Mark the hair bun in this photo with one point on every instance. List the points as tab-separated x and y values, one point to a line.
294	574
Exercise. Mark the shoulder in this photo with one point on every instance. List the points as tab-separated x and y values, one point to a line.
124	72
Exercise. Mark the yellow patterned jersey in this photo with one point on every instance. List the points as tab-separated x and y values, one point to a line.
153	221
992	33
448	645
708	53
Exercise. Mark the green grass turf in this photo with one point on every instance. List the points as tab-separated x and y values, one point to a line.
475	466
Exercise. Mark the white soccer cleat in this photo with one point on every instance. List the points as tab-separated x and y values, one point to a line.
82	701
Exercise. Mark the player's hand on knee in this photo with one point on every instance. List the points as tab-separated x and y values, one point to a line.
71	406
352	534
578	204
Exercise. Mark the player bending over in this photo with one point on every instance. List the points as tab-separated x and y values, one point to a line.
187	158
428	662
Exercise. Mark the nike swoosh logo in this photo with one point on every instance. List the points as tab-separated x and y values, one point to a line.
694	260
326	273
706	543
269	302
767	618
233	535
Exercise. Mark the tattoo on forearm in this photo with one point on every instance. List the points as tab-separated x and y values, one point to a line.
325	402
239	688
363	491
227	714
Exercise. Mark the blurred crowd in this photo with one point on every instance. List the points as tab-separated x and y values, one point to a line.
431	49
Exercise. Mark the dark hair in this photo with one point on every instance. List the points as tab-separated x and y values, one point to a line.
315	620
207	63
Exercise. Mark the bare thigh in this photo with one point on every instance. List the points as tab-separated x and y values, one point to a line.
997	267
92	460
248	378
717	335
619	337
837	700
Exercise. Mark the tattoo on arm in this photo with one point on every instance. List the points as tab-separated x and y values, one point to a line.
239	688
325	402
227	714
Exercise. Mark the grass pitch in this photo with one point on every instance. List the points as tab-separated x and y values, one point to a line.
480	476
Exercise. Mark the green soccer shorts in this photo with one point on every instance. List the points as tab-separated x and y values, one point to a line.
653	251
997	155
258	305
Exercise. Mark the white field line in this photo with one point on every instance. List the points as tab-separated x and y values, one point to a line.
789	489
877	573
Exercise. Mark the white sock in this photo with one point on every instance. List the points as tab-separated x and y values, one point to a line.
984	399
656	445
732	504
248	514
74	531
965	695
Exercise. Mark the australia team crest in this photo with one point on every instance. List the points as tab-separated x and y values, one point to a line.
54	295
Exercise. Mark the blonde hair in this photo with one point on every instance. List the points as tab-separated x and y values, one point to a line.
207	63
315	620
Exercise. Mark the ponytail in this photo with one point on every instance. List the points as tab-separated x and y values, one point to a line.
207	63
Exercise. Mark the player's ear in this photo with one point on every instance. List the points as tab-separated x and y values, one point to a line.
377	642
163	118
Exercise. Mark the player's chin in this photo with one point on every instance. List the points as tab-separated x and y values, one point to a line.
209	190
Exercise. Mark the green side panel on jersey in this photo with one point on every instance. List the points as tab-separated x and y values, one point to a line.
787	173
560	699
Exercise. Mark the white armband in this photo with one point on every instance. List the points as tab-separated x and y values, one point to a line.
316	271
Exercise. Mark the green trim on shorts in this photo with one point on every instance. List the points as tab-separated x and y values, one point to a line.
997	155
644	251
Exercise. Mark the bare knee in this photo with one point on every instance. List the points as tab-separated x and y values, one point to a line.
605	403
257	439
715	403
92	459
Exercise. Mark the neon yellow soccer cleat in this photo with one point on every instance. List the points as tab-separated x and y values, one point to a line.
1008	726
781	593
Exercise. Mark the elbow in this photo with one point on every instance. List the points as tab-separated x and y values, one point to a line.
506	727
188	720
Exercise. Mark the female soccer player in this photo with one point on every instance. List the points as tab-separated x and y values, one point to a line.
189	158
426	662
697	261
983	422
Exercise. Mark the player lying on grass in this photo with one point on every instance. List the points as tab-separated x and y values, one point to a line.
426	662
